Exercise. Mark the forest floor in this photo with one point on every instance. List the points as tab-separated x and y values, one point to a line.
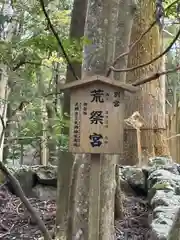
16	223
135	224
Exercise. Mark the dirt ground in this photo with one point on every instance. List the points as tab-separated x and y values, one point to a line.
135	224
16	224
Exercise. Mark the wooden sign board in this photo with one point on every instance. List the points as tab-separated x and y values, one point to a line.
97	115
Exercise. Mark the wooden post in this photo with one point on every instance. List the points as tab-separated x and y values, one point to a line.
97	121
139	147
22	153
13	152
94	197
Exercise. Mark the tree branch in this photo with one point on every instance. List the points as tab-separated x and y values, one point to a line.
134	44
151	61
154	76
141	81
57	38
130	48
17	188
33	63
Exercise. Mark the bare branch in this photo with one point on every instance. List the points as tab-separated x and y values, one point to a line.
141	81
154	76
2	122
57	38
171	4
52	93
33	63
135	43
151	61
131	47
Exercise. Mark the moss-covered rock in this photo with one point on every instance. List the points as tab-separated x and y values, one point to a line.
163	194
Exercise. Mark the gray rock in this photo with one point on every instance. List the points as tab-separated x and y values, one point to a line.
161	163
164	176
44	193
162	222
26	179
125	187
163	198
29	177
135	177
154	161
163	194
46	175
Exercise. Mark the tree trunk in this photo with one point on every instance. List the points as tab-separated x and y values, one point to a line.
51	141
6	135
4	93
66	170
44	140
44	120
4	77
150	99
98	56
124	26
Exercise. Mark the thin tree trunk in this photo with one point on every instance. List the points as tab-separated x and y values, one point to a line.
51	141
44	141
4	74
44	121
4	93
6	135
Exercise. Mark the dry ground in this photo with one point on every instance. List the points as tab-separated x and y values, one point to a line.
16	224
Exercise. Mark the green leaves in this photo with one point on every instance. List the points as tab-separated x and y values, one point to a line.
171	12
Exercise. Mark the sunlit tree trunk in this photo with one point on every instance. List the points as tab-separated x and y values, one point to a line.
8	30
4	93
50	111
44	140
44	120
150	99
4	78
7	134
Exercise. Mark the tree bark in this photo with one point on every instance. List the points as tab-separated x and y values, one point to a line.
65	184
98	56
150	99
6	135
124	27
51	141
44	140
4	74
44	120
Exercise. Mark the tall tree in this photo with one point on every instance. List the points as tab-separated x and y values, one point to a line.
150	99
123	35
124	27
9	29
65	165
98	56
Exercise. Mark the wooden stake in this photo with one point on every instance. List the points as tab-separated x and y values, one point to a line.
139	147
94	198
